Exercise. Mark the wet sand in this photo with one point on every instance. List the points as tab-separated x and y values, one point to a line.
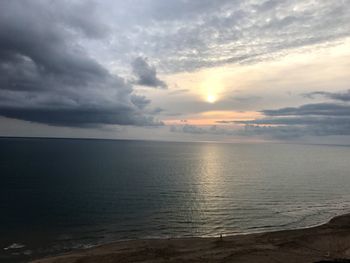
326	243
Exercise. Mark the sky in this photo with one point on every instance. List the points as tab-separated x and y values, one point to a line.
178	70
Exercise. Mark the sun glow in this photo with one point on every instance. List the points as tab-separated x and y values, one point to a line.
211	98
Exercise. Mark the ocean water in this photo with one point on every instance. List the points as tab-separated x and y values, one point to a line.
59	194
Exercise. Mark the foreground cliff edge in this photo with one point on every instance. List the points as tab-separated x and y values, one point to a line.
327	243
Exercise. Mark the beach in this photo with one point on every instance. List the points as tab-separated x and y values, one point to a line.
329	242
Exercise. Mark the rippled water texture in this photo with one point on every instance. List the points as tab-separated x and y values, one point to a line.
60	194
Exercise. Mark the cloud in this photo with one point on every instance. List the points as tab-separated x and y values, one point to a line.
295	121
211	130
319	119
178	91
246	99
79	117
282	129
146	75
74	14
188	35
341	96
58	58
324	109
46	76
282	133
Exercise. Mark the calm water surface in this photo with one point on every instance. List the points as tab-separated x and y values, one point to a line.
59	194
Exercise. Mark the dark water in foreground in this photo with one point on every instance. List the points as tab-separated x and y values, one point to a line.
58	194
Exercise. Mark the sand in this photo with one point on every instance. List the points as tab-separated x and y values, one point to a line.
326	243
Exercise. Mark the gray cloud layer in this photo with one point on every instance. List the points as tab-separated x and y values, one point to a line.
319	119
318	109
341	96
57	57
187	35
146	74
46	76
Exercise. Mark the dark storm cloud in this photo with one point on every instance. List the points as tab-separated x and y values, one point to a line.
320	119
326	109
79	117
281	132
156	111
283	129
146	74
341	96
46	76
323	109
293	131
140	101
295	121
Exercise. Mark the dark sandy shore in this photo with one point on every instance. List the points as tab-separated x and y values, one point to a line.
326	243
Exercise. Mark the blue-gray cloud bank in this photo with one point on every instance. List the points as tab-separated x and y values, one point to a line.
317	119
46	76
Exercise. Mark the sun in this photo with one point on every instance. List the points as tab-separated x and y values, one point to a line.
211	98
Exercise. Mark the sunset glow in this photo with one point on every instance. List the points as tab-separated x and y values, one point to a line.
211	98
218	66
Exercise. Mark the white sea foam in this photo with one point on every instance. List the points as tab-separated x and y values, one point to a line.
14	246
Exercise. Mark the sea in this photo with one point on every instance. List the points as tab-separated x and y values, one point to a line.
62	194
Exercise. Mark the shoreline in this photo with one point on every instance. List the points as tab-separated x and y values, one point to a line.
329	241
